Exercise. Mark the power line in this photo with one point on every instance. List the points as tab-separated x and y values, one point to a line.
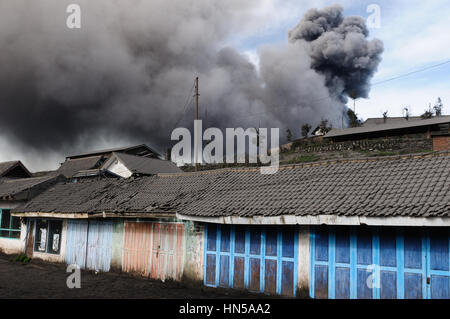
410	73
185	106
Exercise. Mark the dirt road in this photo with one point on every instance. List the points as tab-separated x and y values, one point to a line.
38	279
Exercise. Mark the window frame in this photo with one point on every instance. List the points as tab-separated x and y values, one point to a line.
47	236
9	230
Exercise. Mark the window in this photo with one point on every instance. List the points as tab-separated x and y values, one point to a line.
48	236
9	225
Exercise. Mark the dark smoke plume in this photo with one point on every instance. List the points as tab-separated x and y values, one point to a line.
338	49
124	76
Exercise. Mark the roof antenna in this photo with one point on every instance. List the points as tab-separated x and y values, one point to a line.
196	117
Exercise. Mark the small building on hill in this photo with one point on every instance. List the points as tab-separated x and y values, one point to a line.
390	128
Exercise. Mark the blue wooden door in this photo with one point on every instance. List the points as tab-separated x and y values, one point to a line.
260	259
386	262
89	244
76	242
99	245
438	266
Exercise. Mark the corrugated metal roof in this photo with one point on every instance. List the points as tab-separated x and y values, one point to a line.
409	185
387	127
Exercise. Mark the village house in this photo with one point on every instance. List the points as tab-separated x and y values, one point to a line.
17	186
94	163
395	127
321	229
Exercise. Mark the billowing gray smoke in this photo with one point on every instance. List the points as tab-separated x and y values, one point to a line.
338	49
126	73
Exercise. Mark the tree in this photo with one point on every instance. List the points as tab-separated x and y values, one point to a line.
385	113
438	107
289	135
323	126
305	130
353	118
428	114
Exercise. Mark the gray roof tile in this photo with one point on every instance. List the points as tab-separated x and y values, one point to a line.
407	185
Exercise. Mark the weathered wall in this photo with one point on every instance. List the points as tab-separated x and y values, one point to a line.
441	143
326	149
14	246
193	258
303	262
60	258
117	245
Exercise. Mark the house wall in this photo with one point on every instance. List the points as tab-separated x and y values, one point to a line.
10	245
14	246
117	245
194	234
304	261
441	143
119	169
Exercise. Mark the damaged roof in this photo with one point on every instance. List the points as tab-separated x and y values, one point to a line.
25	188
72	166
140	150
408	185
145	165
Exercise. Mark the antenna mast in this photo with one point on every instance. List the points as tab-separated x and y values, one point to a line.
196	117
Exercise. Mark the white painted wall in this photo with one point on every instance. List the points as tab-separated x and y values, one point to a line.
193	252
118	168
10	245
303	261
14	246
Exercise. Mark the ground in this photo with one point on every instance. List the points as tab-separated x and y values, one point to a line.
38	279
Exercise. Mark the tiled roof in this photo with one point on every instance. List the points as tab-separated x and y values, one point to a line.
6	167
392	120
13	187
146	165
72	166
149	151
409	185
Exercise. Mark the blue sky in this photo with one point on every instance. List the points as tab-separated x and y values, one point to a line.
416	34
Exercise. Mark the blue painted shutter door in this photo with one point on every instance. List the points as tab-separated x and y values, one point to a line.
210	253
76	243
99	245
439	263
239	258
320	266
404	258
256	258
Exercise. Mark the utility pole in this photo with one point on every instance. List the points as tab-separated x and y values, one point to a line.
196	117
